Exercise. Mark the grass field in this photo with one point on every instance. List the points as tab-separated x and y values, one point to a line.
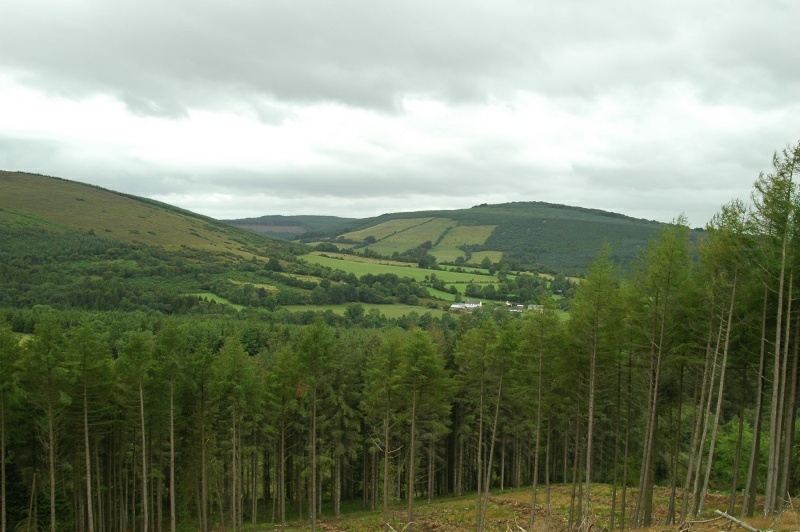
412	237
467	234
359	267
390	311
386	229
210	296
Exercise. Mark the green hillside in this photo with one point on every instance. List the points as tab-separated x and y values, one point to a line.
68	245
32	200
536	235
291	227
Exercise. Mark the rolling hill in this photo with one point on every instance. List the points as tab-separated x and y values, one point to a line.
537	235
32	200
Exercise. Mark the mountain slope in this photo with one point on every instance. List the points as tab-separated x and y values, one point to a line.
62	205
537	235
290	227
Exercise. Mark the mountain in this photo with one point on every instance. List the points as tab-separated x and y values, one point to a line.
538	235
32	200
292	227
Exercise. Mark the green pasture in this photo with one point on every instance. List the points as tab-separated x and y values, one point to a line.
359	268
478	256
412	237
210	296
466	234
390	311
386	229
443	254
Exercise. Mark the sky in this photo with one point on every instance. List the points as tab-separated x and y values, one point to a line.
356	108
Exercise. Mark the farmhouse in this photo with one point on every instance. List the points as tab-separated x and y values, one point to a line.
467	306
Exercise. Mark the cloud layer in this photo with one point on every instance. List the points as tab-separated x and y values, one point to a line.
356	108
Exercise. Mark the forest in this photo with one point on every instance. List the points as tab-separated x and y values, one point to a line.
679	374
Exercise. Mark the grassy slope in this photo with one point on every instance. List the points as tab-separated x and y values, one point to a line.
291	226
563	238
59	204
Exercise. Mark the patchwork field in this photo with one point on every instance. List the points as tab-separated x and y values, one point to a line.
359	267
387	229
390	311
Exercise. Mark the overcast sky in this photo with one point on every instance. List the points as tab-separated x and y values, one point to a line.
360	107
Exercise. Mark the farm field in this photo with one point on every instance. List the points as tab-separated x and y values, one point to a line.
413	236
210	296
359	268
390	311
387	229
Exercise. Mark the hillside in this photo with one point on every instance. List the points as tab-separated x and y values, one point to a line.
70	245
60	205
537	235
291	227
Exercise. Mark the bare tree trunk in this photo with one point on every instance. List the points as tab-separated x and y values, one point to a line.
234	512
312	506
749	499
629	407
145	508
738	456
87	452
590	413
411	459
479	508
718	412
699	417
488	477
770	498
538	437
675	453
791	412
431	468
706	414
172	509
386	422
52	466
616	449
2	460
203	466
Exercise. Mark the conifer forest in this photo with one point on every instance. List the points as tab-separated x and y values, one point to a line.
679	374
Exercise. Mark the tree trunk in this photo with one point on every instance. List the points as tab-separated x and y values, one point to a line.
738	455
790	415
538	435
488	477
479	508
172	511
699	416
386	422
411	459
590	413
312	507
203	466
2	460
706	413
51	465
770	498
675	453
749	499
718	412
88	462
145	508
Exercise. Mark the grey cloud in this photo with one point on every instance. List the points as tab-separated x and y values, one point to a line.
164	57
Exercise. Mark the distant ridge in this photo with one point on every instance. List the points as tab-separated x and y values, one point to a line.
531	234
